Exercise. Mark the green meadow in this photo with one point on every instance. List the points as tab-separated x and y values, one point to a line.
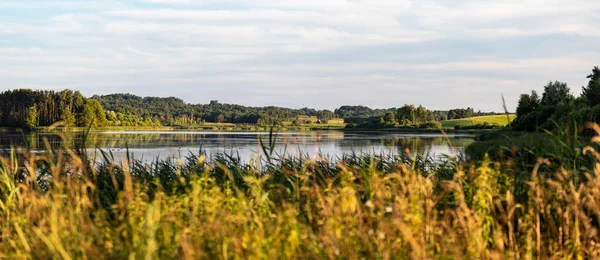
499	120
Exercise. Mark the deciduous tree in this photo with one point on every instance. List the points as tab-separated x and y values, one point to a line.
555	92
32	117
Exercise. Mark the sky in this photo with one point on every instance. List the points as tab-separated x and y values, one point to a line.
302	53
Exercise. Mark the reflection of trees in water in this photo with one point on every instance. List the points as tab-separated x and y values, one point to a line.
32	140
424	143
36	140
412	143
133	140
145	140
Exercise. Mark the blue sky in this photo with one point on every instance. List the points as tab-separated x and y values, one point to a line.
315	53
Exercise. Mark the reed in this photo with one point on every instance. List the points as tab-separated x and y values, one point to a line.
62	204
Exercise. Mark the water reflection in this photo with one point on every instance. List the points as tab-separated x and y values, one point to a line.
152	145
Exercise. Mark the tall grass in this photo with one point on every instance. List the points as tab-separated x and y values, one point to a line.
61	204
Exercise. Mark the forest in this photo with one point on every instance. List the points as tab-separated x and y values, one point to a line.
25	108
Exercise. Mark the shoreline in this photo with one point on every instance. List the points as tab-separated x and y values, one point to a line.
247	128
420	130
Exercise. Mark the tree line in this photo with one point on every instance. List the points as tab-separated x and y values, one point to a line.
175	112
558	108
26	108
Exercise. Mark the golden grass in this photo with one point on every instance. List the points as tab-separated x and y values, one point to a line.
500	120
362	213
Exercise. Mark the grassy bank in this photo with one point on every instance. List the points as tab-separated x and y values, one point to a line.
60	204
470	124
416	130
499	120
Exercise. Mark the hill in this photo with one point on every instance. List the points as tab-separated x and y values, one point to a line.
499	120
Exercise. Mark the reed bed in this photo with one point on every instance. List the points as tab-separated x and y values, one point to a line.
61	204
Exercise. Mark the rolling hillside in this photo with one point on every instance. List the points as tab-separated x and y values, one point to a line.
494	119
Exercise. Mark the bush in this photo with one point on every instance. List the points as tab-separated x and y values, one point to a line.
484	125
431	125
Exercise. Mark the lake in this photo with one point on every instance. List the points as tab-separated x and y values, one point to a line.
148	146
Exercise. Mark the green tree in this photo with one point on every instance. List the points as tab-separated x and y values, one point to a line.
406	114
86	118
92	114
527	103
592	91
555	92
459	113
421	115
32	117
100	115
67	117
389	117
111	116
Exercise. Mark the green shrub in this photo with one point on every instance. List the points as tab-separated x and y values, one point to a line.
431	125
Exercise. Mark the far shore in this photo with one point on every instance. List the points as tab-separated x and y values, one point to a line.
248	128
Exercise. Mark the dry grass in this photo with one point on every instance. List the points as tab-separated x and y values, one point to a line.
362	212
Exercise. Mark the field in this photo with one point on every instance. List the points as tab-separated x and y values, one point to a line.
500	120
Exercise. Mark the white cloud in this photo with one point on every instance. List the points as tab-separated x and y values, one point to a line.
287	52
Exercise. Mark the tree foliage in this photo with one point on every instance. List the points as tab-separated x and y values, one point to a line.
25	108
411	115
389	117
17	106
558	107
592	91
32	117
92	114
130	110
174	111
556	92
67	117
459	113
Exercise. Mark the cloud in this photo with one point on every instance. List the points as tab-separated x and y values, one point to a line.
442	54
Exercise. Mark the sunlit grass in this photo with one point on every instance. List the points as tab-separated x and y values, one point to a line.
60	205
500	120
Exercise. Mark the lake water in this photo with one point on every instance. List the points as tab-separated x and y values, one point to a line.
151	145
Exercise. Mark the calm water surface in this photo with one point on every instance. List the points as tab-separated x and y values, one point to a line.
151	145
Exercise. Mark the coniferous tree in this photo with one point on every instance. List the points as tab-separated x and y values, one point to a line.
592	91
